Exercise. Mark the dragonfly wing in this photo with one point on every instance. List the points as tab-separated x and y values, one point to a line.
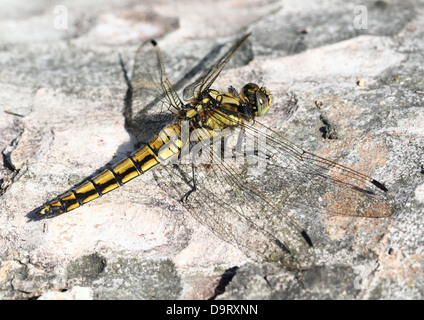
255	201
306	181
237	211
204	82
154	102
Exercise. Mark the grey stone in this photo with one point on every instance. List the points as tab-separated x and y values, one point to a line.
352	95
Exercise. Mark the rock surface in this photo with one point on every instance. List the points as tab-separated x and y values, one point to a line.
346	88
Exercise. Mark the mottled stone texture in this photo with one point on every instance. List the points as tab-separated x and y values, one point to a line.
346	91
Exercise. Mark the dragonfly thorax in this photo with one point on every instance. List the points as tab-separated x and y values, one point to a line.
217	110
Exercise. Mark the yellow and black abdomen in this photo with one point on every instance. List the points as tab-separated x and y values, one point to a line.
165	145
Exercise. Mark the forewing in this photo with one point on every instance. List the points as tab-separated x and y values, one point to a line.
154	101
204	82
307	182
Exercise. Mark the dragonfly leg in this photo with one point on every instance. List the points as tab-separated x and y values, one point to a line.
194	187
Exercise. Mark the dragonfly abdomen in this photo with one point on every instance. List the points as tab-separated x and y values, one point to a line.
165	145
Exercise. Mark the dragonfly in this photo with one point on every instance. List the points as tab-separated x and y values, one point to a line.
250	204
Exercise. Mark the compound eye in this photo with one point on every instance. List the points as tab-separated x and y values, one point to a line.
262	103
261	99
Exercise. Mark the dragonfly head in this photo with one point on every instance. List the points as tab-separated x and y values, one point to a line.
259	98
